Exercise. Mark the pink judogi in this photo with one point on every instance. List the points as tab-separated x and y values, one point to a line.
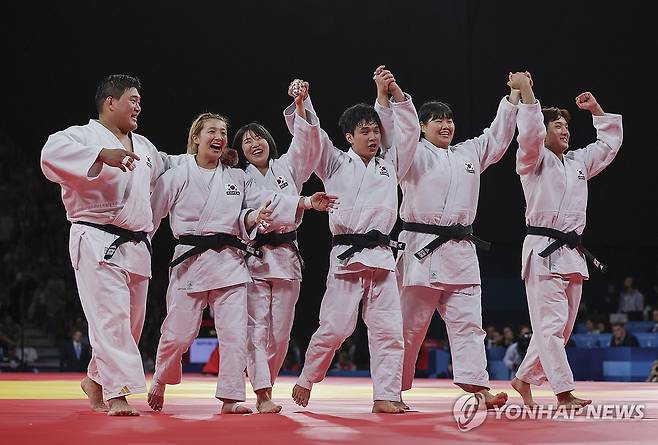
556	197
442	188
205	203
272	296
368	201
112	292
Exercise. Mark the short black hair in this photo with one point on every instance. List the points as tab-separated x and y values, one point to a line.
357	115
258	130
114	85
553	113
433	109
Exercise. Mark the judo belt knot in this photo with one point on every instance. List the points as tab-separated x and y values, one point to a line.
278	239
444	234
570	239
201	243
124	235
360	241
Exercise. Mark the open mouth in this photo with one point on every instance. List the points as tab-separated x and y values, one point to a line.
216	147
257	152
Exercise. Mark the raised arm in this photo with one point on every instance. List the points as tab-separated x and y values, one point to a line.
530	122
406	128
609	135
305	149
494	141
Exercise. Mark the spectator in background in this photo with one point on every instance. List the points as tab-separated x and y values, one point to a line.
75	354
631	300
515	353
622	338
602	327
591	327
344	362
508	336
654	318
491	334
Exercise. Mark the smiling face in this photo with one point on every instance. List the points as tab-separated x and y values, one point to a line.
439	131
557	136
211	139
123	111
256	149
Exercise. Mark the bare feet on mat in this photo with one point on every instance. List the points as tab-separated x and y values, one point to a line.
386	406
120	407
94	393
264	403
301	395
525	391
402	405
156	395
570	401
234	408
494	401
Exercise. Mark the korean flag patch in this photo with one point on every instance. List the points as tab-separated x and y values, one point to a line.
469	167
383	171
148	162
581	175
281	181
232	189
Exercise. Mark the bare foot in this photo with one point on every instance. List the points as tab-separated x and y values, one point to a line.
268	407
301	395
525	391
156	395
120	407
386	406
264	402
234	408
94	393
494	401
401	405
570	401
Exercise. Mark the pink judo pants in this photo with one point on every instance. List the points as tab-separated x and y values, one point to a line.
271	309
461	310
553	305
181	326
114	303
377	289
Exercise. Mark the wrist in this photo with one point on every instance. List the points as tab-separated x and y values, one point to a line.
308	203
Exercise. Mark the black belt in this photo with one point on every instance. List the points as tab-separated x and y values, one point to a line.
278	239
216	241
124	235
274	239
444	234
570	239
360	241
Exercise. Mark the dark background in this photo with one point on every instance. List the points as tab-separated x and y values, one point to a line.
237	58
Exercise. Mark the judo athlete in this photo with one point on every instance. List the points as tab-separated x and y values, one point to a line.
211	208
362	264
439	270
554	183
107	172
